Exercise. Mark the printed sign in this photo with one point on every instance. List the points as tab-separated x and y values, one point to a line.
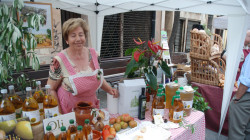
57	122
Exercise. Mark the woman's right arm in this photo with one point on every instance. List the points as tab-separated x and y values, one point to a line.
55	79
54	84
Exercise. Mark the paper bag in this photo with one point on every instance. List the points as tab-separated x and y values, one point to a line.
129	91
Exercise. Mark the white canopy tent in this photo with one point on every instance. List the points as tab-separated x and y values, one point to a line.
238	12
222	23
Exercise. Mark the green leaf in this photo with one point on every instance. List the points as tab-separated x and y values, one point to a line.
165	68
130	66
5	9
129	51
151	80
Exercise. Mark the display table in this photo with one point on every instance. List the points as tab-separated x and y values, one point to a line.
213	95
197	118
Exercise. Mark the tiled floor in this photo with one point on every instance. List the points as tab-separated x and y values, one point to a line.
210	135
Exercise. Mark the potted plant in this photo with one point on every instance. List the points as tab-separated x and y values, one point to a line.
143	60
17	44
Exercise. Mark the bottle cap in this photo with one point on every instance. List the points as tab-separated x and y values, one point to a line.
63	128
159	94
176	81
48	128
159	90
79	127
71	121
86	121
38	82
11	87
47	86
28	88
177	92
160	86
181	88
4	91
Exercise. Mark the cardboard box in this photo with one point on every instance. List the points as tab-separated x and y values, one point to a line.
129	91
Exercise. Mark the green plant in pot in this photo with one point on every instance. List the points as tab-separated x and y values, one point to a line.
143	60
17	43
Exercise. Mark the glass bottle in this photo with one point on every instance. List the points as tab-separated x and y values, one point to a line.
176	111
16	101
7	109
31	108
88	130
38	96
79	133
50	104
99	124
158	105
142	105
187	95
63	134
72	129
170	90
49	135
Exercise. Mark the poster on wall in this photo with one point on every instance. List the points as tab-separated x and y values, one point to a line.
44	36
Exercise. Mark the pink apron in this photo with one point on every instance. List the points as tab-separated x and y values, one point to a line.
84	85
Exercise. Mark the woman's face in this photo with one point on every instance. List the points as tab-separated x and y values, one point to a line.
76	38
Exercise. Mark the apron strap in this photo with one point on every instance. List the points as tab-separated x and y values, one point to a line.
94	58
67	64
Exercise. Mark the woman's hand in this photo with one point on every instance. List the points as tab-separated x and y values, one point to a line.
114	92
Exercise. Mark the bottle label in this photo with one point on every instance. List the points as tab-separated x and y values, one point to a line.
188	104
51	112
7	117
158	112
143	109
34	116
177	115
19	110
72	136
40	107
90	136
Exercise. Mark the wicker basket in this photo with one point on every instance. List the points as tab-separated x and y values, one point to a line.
201	45
207	71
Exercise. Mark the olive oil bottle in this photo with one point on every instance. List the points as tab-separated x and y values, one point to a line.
158	105
31	108
38	96
88	130
7	109
16	101
63	134
79	133
49	135
72	129
50	104
142	105
176	111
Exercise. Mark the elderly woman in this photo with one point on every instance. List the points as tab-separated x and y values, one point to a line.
74	73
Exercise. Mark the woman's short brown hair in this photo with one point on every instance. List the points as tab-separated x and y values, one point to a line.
72	24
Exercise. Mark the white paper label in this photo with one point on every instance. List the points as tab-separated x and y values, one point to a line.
19	110
178	115
72	136
158	112
34	116
7	117
90	136
188	104
40	106
51	112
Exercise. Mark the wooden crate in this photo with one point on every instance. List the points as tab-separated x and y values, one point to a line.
201	45
207	71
